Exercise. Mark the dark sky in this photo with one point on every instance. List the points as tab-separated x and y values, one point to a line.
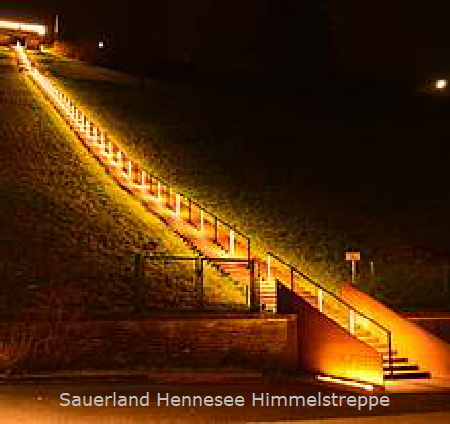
398	37
387	38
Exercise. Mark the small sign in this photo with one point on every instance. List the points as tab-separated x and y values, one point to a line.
353	256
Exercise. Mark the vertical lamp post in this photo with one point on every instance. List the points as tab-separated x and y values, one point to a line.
372	275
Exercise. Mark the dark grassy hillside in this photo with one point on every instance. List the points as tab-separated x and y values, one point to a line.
310	175
66	229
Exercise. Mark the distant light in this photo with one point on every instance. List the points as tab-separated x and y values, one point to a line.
441	84
40	29
100	44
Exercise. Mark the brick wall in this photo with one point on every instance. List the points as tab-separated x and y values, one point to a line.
200	341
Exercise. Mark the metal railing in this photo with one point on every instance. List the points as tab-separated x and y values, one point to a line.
200	278
330	304
234	242
200	218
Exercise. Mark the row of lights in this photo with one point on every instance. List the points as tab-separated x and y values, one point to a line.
39	29
94	135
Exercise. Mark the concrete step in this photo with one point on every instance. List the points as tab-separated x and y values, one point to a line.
385	352
395	360
397	368
405	375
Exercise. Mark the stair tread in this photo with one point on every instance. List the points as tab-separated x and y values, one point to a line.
396	360
408	375
408	367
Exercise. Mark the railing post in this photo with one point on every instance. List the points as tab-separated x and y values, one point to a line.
215	230
119	158
177	204
269	273
202	221
159	190
293	305
248	249
292	280
255	302
143	179
190	211
391	365
150	184
231	247
320	300
351	321
130	169
200	288
170	200
102	140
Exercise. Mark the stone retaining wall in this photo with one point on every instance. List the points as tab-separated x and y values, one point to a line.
169	341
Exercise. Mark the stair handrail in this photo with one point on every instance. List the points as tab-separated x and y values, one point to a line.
59	94
164	182
318	285
386	331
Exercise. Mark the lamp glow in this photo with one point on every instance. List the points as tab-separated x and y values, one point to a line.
441	84
39	29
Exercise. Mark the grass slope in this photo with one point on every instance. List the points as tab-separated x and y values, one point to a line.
308	179
67	230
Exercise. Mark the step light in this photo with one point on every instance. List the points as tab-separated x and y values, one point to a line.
337	380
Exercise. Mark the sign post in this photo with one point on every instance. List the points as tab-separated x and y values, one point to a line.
353	257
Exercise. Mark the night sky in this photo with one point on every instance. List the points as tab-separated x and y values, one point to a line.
401	39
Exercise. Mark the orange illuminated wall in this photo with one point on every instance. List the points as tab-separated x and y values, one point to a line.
410	340
324	347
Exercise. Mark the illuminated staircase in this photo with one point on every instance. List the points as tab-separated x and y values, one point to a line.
397	368
220	242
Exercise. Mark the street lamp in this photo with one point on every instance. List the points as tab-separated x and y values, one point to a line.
441	84
101	44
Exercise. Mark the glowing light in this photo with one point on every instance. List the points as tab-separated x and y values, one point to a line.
129	169
39	29
345	382
231	243
320	300
441	84
202	221
177	205
101	44
351	321
159	190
